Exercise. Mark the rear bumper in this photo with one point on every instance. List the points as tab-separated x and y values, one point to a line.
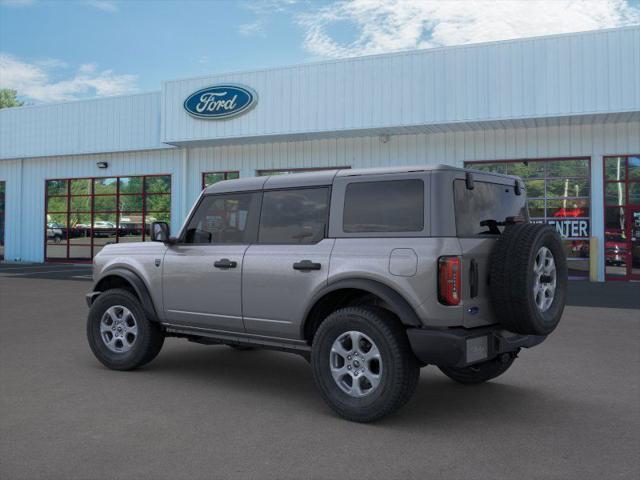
460	347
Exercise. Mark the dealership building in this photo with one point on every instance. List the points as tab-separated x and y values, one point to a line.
561	111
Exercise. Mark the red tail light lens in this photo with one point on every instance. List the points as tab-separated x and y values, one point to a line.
449	280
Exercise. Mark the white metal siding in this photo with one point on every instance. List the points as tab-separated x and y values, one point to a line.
25	198
547	77
25	179
90	126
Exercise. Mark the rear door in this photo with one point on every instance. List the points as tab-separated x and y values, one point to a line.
289	263
202	274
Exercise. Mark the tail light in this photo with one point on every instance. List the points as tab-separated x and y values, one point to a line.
449	280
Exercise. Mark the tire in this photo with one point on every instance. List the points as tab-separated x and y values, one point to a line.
396	366
528	301
480	372
133	350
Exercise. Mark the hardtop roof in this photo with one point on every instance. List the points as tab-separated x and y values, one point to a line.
326	177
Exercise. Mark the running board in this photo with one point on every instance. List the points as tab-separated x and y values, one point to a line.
212	337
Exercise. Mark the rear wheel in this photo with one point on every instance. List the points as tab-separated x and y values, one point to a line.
480	372
119	332
363	364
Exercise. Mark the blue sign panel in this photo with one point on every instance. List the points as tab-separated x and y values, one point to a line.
220	101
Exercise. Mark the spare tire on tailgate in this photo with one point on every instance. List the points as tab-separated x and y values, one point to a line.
528	278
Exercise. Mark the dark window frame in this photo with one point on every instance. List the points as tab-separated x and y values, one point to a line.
627	206
93	245
545	199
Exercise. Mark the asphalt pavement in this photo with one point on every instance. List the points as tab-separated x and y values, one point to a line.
569	408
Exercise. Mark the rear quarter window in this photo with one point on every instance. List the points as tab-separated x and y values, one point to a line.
384	206
487	201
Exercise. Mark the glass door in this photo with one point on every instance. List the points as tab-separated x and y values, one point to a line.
634	242
622	217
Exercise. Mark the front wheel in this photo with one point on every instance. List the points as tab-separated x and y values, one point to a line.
480	372
119	332
363	364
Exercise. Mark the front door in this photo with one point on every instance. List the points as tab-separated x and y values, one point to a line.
202	273
290	262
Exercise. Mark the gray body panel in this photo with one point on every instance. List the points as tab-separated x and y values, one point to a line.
371	259
139	258
265	300
199	294
275	296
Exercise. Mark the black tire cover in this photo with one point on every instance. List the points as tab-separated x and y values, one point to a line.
516	288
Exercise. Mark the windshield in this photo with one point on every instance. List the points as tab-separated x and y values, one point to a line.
484	210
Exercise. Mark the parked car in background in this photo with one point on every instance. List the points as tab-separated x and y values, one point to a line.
104	229
55	232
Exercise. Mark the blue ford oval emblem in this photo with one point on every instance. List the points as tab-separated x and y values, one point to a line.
220	101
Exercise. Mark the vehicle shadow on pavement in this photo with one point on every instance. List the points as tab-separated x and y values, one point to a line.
438	402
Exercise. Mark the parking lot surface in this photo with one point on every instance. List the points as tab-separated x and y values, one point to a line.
567	409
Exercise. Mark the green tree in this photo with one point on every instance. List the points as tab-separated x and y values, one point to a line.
8	98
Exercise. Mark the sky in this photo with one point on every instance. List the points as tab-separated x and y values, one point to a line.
52	51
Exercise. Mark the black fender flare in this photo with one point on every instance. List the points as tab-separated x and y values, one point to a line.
396	302
136	283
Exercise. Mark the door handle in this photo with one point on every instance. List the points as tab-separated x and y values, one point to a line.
225	263
306	265
473	278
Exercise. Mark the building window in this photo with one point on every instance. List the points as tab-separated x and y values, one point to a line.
2	210
622	217
559	194
209	178
287	171
85	214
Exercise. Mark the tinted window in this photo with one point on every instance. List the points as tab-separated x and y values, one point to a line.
294	216
487	201
224	219
387	206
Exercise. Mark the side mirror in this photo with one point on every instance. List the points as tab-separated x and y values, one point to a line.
160	232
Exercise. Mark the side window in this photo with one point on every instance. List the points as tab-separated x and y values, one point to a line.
230	218
297	216
384	206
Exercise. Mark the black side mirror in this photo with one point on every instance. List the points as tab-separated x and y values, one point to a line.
160	232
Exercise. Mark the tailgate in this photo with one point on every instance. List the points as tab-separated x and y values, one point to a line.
475	286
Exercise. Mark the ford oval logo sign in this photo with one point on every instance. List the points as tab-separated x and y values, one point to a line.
220	101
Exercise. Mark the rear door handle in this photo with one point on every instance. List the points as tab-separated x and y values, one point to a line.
306	265
225	263
473	278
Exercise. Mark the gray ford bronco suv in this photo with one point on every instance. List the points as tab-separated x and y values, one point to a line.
369	274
